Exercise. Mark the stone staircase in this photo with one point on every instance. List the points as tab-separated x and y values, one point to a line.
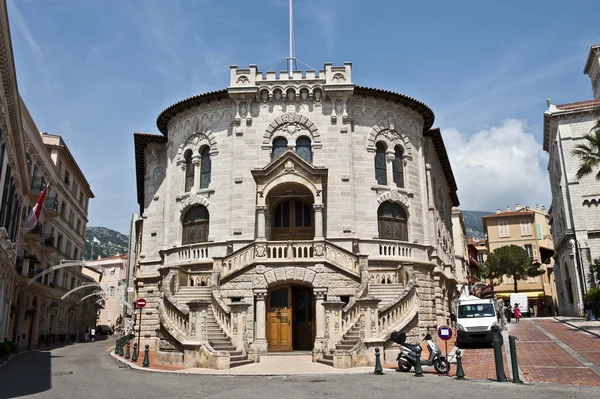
350	339
217	339
386	292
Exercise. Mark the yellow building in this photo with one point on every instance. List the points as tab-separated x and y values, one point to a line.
529	229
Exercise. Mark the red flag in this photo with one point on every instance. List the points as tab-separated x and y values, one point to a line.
34	215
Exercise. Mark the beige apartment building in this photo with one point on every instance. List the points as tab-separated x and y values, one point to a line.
529	229
113	271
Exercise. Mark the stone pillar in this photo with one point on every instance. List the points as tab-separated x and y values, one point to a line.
369	314
320	318
390	155
318	208
197	329
260	337
333	323
196	158
239	315
261	222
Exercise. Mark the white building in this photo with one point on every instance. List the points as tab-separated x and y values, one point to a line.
295	213
574	213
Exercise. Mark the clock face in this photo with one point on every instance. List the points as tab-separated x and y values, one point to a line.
157	172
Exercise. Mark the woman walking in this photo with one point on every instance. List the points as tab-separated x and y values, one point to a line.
517	312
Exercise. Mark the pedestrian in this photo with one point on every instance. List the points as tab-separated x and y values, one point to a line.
508	313
93	334
517	312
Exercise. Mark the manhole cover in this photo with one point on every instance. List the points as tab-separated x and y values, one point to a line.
59	373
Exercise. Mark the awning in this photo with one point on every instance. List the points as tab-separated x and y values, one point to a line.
546	254
530	294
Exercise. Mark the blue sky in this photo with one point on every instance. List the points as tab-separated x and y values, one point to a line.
95	72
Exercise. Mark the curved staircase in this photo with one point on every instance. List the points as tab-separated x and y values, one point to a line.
348	342
388	293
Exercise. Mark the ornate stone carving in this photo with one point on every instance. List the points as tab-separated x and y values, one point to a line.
388	131
192	200
318	96
201	136
373	321
261	251
394	196
338	78
289	167
319	250
203	337
327	318
165	345
193	324
337	321
339	107
292	124
243	80
234	319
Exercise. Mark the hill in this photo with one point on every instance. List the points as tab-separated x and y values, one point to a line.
473	224
107	242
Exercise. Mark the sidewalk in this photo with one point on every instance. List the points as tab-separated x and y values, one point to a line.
592	327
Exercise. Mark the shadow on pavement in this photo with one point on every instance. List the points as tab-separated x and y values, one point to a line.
26	374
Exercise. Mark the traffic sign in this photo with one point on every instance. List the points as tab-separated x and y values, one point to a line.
140	303
445	332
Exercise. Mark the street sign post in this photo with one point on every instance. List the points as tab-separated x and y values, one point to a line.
445	333
140	303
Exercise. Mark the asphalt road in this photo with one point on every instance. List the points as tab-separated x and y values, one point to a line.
87	371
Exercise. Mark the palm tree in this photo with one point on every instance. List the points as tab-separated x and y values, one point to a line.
589	153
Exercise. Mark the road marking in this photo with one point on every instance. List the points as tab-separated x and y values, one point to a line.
568	349
110	348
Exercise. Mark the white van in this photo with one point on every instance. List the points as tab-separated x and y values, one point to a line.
521	299
475	319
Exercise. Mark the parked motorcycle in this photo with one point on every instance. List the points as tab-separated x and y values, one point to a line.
408	354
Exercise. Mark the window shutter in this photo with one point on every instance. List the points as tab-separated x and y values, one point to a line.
538	227
525	228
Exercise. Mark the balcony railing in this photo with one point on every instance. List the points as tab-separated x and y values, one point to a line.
38	184
48	241
51	204
37	230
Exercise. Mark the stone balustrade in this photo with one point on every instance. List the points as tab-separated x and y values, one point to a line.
397	315
177	318
350	317
222	314
390	249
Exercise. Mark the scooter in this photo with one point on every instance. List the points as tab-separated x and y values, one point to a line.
408	354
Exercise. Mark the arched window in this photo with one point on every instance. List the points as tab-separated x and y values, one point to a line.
195	225
205	166
279	146
380	169
392	222
397	167
189	171
303	149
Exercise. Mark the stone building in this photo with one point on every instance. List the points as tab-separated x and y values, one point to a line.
113	279
288	213
574	212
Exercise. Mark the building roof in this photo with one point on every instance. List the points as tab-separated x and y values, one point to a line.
508	214
590	59
570	109
440	149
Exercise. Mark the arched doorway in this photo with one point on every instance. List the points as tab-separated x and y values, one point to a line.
290	318
291	213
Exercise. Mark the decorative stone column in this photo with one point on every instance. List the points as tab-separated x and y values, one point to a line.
260	337
196	159
197	329
333	323
320	343
369	318
261	221
239	315
390	155
318	209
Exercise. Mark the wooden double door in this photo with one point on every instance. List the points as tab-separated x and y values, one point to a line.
292	219
290	319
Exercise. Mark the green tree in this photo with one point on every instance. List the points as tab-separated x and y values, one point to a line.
595	269
589	152
512	261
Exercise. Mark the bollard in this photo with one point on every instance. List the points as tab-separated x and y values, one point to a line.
378	368
513	359
127	354
134	358
117	347
146	362
460	373
497	344
418	369
121	348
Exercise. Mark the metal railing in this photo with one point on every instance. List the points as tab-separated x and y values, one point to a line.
38	184
51	204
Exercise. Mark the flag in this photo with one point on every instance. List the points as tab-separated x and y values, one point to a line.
34	214
96	240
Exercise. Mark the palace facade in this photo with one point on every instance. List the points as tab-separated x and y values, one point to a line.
292	213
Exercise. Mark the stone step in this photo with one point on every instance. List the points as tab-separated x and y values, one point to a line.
238	363
235	353
328	357
349	342
217	341
326	362
223	348
345	347
235	358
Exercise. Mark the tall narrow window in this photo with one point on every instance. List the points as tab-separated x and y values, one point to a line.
279	146
397	167
380	169
195	225
189	171
205	167
303	149
392	222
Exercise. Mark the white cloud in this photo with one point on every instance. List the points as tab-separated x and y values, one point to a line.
498	167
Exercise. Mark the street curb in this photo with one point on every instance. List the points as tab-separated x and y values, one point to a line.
577	327
183	372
